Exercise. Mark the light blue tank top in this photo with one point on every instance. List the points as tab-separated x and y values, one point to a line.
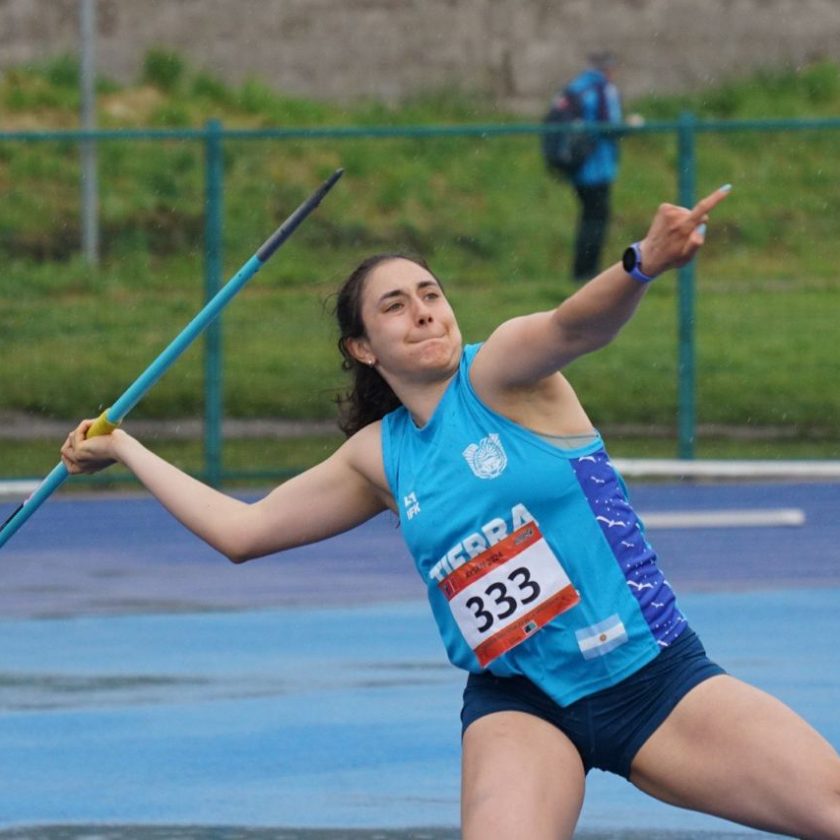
496	518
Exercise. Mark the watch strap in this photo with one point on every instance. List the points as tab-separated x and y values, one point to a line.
636	271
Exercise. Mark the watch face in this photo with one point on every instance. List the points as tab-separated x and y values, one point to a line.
628	260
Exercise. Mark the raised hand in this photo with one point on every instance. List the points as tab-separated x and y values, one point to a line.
676	233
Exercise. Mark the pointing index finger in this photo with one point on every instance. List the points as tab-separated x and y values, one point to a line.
705	205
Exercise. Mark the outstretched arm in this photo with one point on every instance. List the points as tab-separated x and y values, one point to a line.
525	350
337	494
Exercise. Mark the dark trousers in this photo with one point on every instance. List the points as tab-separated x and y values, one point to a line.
591	231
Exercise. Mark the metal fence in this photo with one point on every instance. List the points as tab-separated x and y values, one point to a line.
217	140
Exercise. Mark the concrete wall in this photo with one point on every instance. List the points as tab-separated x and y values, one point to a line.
515	50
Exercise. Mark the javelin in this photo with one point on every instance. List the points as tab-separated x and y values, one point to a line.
113	416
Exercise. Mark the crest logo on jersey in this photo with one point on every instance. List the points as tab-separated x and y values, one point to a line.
487	459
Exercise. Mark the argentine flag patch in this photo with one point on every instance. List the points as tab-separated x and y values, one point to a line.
602	637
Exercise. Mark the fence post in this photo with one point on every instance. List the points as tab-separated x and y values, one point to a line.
686	171
90	179
213	195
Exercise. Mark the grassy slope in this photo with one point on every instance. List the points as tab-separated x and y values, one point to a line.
494	226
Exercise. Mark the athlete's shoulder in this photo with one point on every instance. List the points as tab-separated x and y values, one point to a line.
368	438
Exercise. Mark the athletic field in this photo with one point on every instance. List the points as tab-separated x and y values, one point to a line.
149	689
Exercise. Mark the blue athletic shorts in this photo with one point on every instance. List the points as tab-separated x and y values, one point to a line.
608	727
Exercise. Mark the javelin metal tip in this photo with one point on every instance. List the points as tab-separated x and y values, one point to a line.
333	178
285	230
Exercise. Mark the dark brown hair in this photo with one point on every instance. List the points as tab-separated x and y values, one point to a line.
370	397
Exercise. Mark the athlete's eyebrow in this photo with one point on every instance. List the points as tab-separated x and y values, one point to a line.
395	293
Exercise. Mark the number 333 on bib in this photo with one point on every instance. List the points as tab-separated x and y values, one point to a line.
506	593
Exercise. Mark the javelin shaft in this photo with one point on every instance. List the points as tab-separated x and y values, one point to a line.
112	417
137	390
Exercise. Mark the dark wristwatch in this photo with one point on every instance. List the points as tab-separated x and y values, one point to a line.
632	262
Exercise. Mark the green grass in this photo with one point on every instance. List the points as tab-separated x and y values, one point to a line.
494	227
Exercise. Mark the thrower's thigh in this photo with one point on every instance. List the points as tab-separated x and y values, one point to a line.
521	777
732	750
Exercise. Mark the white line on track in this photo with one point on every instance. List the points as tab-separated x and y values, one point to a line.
17	489
701	468
732	518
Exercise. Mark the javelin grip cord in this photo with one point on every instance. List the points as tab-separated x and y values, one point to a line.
112	417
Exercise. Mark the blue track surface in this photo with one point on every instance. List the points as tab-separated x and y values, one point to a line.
145	681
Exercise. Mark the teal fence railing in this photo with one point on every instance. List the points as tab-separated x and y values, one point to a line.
216	141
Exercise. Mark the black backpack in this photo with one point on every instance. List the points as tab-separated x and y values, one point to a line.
565	151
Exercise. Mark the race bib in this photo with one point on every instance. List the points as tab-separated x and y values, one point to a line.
506	593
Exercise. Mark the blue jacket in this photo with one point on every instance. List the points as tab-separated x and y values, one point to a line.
599	98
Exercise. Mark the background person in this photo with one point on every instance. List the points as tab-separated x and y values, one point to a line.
597	99
538	573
